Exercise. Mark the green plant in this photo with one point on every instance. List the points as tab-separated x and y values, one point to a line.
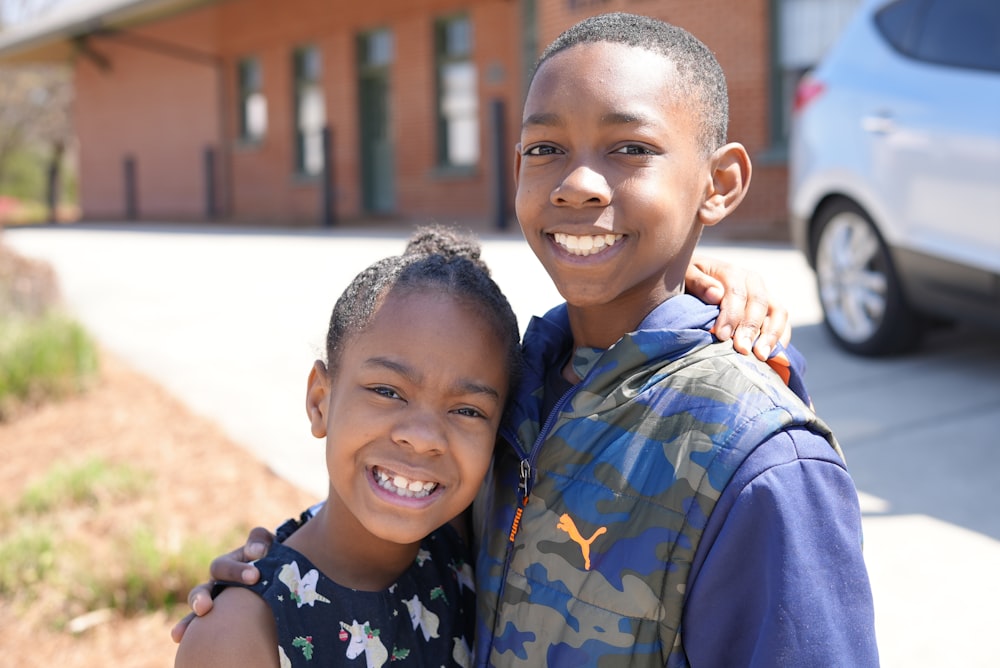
27	557
154	575
51	557
47	357
87	483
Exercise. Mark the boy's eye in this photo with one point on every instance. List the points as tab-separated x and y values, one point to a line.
634	149
542	149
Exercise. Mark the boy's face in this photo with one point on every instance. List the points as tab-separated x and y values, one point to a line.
610	176
410	417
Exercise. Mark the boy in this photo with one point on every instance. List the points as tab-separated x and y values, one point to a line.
591	552
656	498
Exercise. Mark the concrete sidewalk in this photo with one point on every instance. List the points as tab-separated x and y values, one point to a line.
230	321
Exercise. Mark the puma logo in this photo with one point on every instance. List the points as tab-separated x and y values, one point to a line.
567	524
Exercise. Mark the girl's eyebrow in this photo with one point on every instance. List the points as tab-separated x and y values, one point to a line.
461	386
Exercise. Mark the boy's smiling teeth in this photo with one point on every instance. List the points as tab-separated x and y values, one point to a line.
587	244
401	485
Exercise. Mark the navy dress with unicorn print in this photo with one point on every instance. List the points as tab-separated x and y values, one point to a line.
426	618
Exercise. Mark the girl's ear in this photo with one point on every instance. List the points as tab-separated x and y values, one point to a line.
517	165
730	169
317	398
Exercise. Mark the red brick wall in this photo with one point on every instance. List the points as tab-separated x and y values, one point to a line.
158	109
165	110
264	184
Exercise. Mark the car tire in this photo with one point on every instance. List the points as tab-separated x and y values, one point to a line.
863	304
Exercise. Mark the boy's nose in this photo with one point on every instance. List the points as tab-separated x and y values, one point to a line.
420	431
582	186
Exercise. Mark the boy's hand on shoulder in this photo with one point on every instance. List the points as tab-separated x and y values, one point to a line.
747	313
231	567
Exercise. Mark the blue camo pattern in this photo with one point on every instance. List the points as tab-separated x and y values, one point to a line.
623	484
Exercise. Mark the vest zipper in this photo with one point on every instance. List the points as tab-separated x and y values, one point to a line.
524	487
528	463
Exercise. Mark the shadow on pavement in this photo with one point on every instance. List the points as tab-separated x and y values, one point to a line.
921	433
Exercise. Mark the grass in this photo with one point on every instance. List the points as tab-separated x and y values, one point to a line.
42	358
90	483
26	558
59	552
51	558
44	354
155	576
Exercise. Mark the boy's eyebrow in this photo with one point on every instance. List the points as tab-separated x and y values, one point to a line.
461	386
626	118
545	119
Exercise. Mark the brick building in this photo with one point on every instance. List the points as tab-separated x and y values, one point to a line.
320	111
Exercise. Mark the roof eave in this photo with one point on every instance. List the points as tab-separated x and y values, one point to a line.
52	37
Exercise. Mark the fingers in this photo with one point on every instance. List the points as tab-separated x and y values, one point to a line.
701	284
258	543
775	329
747	312
177	633
233	567
200	599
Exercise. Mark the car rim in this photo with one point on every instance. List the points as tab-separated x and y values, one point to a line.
852	277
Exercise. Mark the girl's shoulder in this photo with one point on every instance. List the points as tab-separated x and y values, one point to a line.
239	632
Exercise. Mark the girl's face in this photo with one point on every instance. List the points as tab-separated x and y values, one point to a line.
410	416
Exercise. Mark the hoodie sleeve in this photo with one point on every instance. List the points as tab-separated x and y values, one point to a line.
779	578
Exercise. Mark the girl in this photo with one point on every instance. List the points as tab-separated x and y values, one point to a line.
421	352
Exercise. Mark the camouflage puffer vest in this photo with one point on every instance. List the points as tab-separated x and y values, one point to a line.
589	532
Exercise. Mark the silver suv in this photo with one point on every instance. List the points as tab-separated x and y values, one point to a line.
895	172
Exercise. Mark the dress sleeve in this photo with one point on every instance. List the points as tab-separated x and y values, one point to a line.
779	578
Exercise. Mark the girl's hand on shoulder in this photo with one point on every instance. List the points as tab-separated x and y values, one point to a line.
747	313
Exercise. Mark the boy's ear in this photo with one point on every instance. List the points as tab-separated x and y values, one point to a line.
730	169
317	398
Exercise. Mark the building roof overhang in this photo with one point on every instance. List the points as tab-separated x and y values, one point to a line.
53	37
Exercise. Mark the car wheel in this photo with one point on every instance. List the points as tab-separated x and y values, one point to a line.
863	305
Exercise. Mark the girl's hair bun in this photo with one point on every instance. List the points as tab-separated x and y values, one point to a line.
445	241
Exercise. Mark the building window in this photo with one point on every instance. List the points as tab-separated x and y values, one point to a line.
457	100
805	30
310	111
253	104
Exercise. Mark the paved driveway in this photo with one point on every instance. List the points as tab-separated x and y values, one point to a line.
230	321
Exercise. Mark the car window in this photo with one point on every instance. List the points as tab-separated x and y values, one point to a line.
962	33
898	23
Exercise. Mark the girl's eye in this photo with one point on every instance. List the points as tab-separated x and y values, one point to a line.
468	411
386	392
541	149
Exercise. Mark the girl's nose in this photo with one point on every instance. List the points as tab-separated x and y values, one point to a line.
582	186
421	431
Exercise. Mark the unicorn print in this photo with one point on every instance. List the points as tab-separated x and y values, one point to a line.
302	588
365	639
422	617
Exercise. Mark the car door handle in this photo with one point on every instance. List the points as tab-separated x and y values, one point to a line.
881	123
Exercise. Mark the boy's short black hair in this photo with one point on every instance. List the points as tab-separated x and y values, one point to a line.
699	73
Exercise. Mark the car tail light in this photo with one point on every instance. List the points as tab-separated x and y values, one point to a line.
808	90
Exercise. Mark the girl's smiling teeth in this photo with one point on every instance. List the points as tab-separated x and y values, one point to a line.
585	244
401	485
